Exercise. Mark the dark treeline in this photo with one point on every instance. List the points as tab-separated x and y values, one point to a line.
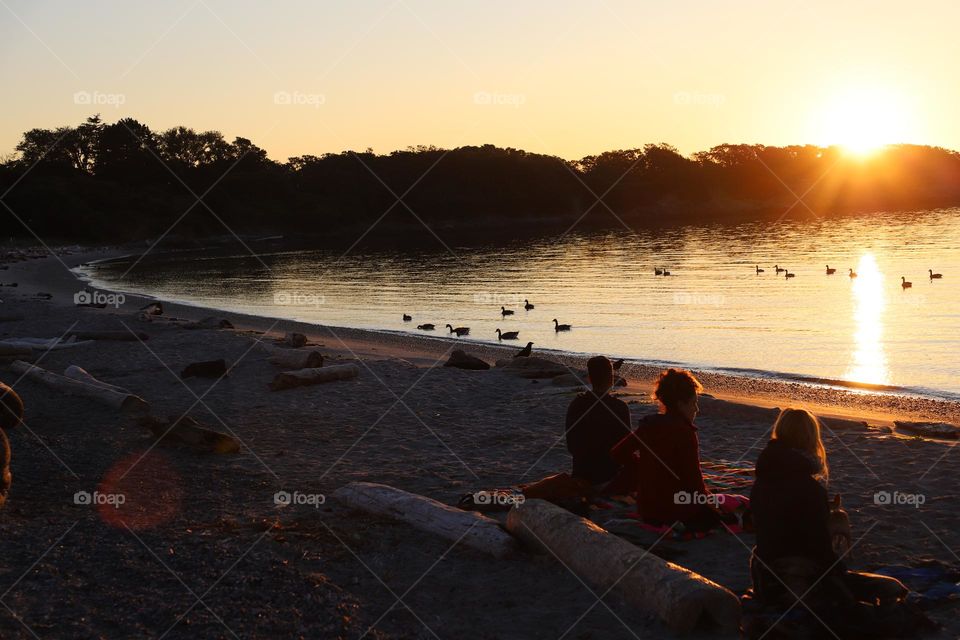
123	181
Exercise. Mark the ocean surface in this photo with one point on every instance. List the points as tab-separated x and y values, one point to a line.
714	311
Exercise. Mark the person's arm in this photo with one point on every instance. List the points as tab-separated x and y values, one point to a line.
574	414
623	451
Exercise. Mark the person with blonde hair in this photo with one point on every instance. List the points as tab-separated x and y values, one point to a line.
794	555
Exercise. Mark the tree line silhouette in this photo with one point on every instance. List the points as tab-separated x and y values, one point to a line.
124	181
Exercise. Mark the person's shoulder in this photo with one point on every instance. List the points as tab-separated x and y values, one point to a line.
617	402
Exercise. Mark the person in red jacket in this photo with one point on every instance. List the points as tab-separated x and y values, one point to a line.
664	452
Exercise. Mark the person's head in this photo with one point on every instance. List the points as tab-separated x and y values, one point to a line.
600	372
11	408
800	429
677	391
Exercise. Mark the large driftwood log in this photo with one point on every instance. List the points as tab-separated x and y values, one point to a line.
471	529
188	432
293	358
68	386
681	598
303	377
79	373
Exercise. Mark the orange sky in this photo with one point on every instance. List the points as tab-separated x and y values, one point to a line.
565	78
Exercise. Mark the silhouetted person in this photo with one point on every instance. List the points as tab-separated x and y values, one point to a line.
11	413
595	422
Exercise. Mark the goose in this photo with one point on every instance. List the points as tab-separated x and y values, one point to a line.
407	318
426	327
934	276
506	312
830	271
618	364
509	335
853	274
460	331
560	327
759	270
527	305
787	274
777	267
665	272
657	271
525	352
904	283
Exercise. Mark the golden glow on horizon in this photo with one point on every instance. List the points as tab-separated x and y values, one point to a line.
869	363
863	121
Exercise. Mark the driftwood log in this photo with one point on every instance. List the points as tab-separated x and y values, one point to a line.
122	336
293	358
68	386
78	373
189	433
681	598
304	377
295	340
471	529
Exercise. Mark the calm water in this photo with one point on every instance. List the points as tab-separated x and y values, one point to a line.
714	311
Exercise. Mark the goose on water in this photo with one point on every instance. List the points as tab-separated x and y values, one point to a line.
853	274
759	270
665	272
525	352
426	327
506	312
460	331
527	305
509	335
407	318
657	271
830	271
779	270
934	276
787	274
560	327
904	283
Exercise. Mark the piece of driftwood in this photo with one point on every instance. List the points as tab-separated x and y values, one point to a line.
79	373
295	340
208	369
209	323
681	598
123	401
152	309
929	429
296	359
189	433
471	529
121	336
42	344
463	360
304	377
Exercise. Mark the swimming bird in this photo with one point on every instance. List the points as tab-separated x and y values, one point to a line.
853	274
407	318
460	331
787	274
934	276
506	312
830	271
525	352
904	283
665	272
509	335
560	327
657	271
777	267
759	270
527	305
426	327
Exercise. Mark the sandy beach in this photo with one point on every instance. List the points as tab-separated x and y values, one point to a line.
199	549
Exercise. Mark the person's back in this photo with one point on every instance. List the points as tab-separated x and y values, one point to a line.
595	423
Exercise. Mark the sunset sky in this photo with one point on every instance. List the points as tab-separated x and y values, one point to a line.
564	78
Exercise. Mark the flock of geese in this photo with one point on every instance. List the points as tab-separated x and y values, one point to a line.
830	271
501	335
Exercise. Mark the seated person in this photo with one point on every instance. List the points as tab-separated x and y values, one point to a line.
11	413
596	421
664	451
794	552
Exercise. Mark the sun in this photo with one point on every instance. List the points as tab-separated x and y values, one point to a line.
862	121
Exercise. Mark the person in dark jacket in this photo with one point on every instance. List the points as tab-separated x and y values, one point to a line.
665	452
794	552
595	422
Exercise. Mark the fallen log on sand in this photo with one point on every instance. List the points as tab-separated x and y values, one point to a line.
293	358
69	386
78	373
188	432
681	598
123	336
469	528
304	377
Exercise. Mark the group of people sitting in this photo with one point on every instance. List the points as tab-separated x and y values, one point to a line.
658	463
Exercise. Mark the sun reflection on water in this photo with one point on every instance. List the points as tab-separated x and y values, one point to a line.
869	362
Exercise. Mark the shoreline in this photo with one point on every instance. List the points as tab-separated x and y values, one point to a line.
829	399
